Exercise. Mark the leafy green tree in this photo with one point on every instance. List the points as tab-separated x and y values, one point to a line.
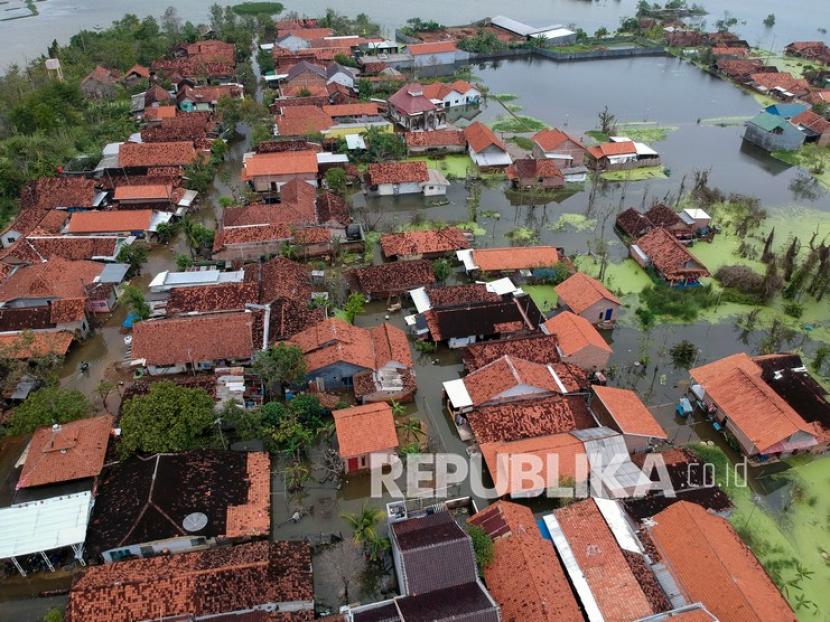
199	238
482	546
183	262
336	180
53	615
166	231
441	269
354	306
199	175
133	297
601	32
281	364
769	20
168	418
134	255
382	146
48	406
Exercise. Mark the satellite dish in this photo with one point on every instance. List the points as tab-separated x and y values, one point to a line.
195	522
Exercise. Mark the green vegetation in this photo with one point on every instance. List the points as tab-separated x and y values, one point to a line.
543	296
168	418
258	8
279	365
134	255
812	158
354	306
133	298
574	222
442	269
381	147
453	165
483	42
683	304
636	174
48	406
482	546
522	141
518	124
522	236
505	97
414	25
360	25
645	132
336	180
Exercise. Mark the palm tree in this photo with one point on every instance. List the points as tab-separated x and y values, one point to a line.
376	546
398	409
364	524
411	428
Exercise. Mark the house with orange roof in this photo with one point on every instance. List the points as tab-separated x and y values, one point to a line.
735	392
486	149
623	411
525	577
436	141
621	153
268	172
711	564
452	94
509	260
366	436
424	244
579	341
587	297
566	150
662	251
100	83
136	222
66	452
414	111
394	178
35	344
532	173
436	53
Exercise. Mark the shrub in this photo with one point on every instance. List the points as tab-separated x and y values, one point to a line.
794	309
741	278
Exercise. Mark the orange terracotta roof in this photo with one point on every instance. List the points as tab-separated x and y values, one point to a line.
671	258
491	381
606	150
160	112
712	564
479	137
111	221
515	258
56	278
306	33
147	192
67	310
580	291
364	429
139	70
782	80
66	452
280	163
302	120
435	138
192	339
575	333
352	110
156	154
736	385
438	47
397	173
439	90
629	412
425	241
812	121
35	345
551	139
252	518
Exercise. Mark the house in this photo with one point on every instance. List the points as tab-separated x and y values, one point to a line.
485	148
436	141
206	50
452	94
579	342
730	52
135	74
206	98
268	172
136	158
587	297
436	53
564	149
138	222
198	342
423	244
740	70
100	83
338	74
38	249
606	561
299	38
711	564
552	35
412	110
336	352
66	452
508	259
621	154
536	347
633	224
788	111
28	344
393	178
156	195
814	50
250	579
209	496
366	436
738	393
660	250
623	411
696	219
542	174
816	129
662	216
166	281
525	576
773	133
392	279
780	84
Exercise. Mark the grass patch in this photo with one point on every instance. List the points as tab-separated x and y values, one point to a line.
258	8
725	121
636	174
574	222
684	304
518	123
522	142
505	97
473	227
600	137
543	296
645	132
789	64
812	158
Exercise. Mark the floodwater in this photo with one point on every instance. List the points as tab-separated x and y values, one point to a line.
26	39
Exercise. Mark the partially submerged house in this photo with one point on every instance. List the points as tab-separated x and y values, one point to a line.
663	216
621	153
423	244
269	172
816	129
530	173
587	297
578	341
436	141
436	53
414	111
366	436
452	94
508	260
207	497
486	149
633	223
623	411
671	260
395	178
565	150
773	133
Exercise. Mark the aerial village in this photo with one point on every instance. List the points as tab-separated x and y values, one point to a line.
249	264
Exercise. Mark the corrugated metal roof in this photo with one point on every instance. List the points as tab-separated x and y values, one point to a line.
44	525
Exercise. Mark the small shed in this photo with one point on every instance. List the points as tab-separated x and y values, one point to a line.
696	218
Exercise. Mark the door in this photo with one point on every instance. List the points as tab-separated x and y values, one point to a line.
608	314
351	465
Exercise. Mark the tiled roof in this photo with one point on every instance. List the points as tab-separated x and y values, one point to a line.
396	173
285	163
614	586
222	297
435	138
302	120
192	339
537	348
306	33
209	94
671	258
284	279
40	196
410	100
661	215
535	416
289	317
67	310
160	112
439	90
139	70
156	154
606	150
437	47
35	249
196	67
727	51
143	191
783	80
551	139
712	564
812	121
575	333
515	258
111	221
66	452
750	404
56	278
364	429
203	583
629	412
212	50
737	68
479	137
231	488
490	382
529	168
23	346
423	241
580	291
103	75
393	277
352	110
634	223
332	208
525	577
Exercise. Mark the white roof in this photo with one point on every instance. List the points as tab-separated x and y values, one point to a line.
355	141
696	213
193	278
266	46
457	393
501	286
187	198
159	218
614	516
643	149
421	299
491	159
620	139
466	257
520	28
436	178
44	525
555	33
325	157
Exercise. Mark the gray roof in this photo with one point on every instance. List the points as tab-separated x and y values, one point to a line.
334	68
113	273
520	28
305	67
